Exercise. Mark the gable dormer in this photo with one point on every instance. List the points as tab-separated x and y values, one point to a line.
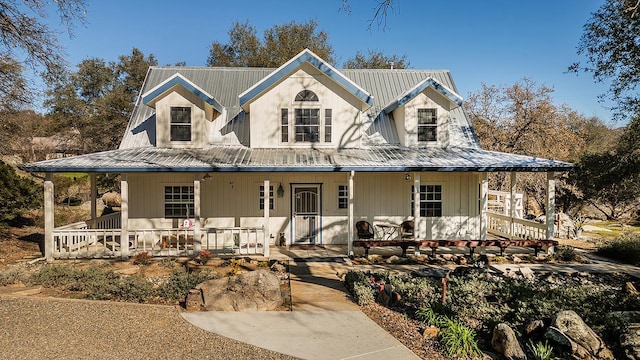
422	114
184	112
305	103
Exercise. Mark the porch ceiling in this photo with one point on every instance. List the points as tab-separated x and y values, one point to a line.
243	159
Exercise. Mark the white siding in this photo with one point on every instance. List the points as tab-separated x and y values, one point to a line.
406	118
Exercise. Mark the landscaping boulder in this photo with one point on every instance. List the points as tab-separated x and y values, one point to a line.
567	328
630	341
504	341
253	291
112	199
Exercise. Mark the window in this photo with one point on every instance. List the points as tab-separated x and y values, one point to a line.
327	125
284	125
180	124
307	125
427	125
343	196
430	200
178	201
262	197
306	95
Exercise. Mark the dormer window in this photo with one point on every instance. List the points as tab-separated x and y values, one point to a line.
180	124
311	123
306	95
427	125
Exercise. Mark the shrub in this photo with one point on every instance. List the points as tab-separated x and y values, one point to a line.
17	194
203	257
13	275
565	253
359	285
142	258
625	248
459	340
180	282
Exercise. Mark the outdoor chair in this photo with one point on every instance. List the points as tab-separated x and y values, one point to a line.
406	230
364	230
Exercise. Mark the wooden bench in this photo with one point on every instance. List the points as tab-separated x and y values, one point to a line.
537	245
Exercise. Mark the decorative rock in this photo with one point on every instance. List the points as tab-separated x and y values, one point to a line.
193	302
630	289
630	341
277	267
112	199
447	257
254	291
516	260
584	343
462	260
504	341
527	273
430	332
393	259
375	258
534	326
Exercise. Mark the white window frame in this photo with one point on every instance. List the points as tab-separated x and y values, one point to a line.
173	124
429	197
343	196
272	205
170	199
431	124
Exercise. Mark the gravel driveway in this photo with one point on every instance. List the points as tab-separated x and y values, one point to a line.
48	328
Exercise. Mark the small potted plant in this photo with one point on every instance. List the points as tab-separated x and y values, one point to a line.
578	225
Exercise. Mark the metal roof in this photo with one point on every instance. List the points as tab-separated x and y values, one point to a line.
226	84
244	159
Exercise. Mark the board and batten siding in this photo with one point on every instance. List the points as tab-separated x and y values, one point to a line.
345	108
229	200
406	118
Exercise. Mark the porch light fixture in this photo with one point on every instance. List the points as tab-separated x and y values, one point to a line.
280	191
206	177
407	176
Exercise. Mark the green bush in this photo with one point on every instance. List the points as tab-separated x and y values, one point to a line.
17	194
625	248
459	341
541	351
565	253
13	275
181	281
135	288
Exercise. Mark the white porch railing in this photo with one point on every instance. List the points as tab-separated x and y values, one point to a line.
522	229
236	240
79	240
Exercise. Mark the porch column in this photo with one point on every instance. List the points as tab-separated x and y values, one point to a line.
484	205
124	217
350	216
48	217
197	240
267	205
417	235
512	205
551	204
94	190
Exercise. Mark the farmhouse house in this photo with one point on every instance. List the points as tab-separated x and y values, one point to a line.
237	159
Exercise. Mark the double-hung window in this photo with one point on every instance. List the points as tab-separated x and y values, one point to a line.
180	124
307	125
261	196
178	202
430	200
427	125
343	196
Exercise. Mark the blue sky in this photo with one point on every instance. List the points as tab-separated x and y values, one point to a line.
495	42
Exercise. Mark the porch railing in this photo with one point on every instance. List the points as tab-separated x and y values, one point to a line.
237	240
522	229
78	240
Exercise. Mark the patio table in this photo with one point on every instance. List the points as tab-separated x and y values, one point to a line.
388	231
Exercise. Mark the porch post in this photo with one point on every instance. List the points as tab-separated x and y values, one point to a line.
197	241
267	205
484	205
48	217
94	190
350	216
417	228
551	204
512	205
124	217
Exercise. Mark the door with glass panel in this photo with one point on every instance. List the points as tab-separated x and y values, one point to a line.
305	206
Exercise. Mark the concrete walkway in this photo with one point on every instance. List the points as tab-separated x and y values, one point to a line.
324	322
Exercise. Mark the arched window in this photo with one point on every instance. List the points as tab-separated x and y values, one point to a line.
306	95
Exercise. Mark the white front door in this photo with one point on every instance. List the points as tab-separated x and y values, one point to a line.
305	208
